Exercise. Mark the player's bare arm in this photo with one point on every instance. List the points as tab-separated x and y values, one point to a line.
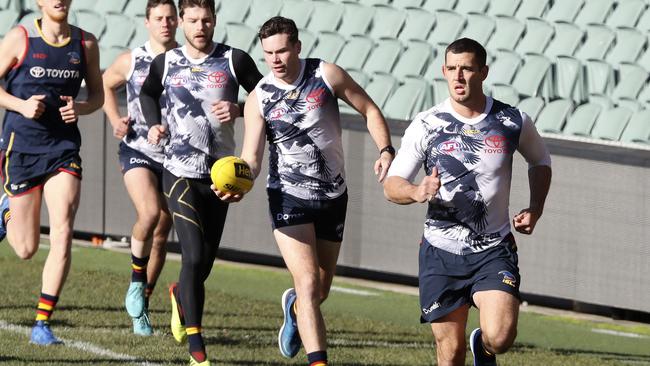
113	78
403	192
12	49
354	95
73	109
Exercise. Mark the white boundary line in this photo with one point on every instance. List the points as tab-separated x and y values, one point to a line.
618	333
353	291
82	346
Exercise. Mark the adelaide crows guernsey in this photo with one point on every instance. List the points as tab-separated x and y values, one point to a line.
136	139
197	137
53	70
304	132
474	162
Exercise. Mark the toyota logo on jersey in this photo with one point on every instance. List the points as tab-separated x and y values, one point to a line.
37	72
496	144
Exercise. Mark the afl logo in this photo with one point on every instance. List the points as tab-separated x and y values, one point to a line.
316	96
449	147
496	141
218	77
177	81
277	113
37	72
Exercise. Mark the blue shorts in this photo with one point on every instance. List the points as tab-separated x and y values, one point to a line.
328	216
448	281
23	172
131	158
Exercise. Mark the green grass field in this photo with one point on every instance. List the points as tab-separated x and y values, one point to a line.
242	316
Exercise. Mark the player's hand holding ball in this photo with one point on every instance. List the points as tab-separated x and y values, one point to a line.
231	178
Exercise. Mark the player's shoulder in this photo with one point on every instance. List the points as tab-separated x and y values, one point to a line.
431	116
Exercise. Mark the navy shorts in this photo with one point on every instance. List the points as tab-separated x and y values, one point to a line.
131	158
328	216
448	281
22	172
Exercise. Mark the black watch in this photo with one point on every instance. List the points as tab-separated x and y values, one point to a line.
389	149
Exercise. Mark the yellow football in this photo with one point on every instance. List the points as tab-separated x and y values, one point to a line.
231	174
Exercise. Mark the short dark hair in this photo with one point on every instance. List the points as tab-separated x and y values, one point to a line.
279	25
209	4
468	45
153	3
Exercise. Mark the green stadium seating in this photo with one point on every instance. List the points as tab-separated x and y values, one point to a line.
603	100
108	55
626	13
554	115
472	6
479	27
298	10
594	12
219	34
440	90
534	77
434	70
180	36
413	60
241	36
503	7
582	120
234	14
638	128
538	35
383	56
611	123
328	47
136	8
568	37
569	79
505	93
141	34
631	80
29	5
629	45
419	24
374	2
381	87
643	24
307	39
599	76
91	22
8	19
631	104
355	52
564	11
387	22
112	6
599	40
509	31
434	5
407	3
329	16
356	19
449	24
82	5
261	11
359	77
119	30
531	106
532	9
408	99
503	68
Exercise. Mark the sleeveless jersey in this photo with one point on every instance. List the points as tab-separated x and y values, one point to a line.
136	139
474	162
51	70
304	133
197	138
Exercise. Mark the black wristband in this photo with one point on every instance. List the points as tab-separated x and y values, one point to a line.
389	149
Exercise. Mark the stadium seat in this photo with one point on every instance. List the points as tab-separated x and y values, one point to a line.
434	5
108	55
440	90
359	76
568	37
638	128
383	56
531	106
582	120
298	10
538	35
92	22
643	24
594	12
503	68
328	47
569	79
413	60
29	5
220	34
356	19
505	93
81	5
534	77
387	22
631	79
564	11
28	18
508	33
355	52
532	9
628	47
554	115
119	30
503	7
381	87
180	36
374	2
408	99
626	13
479	27
449	24
136	8
307	39
611	123
599	76
603	100
471	6
599	40
631	104
329	16
112	6
434	70
241	36
419	24
234	14
261	11
407	3
141	34
8	19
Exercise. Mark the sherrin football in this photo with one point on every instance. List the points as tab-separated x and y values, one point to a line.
232	175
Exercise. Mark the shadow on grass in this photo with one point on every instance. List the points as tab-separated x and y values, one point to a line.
610	356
